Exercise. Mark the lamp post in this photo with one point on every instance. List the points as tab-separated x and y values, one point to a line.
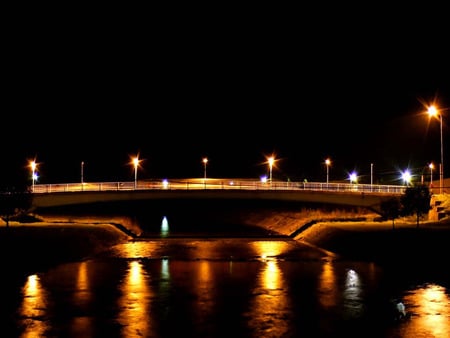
205	161
33	174
353	178
270	160
431	166
371	176
328	163
433	111
135	163
82	172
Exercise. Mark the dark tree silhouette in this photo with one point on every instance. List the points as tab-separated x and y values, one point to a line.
416	200
390	209
14	203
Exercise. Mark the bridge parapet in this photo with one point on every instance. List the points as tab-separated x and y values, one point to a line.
218	184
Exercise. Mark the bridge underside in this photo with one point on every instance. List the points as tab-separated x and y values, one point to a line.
370	201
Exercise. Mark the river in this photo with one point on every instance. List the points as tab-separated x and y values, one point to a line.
189	282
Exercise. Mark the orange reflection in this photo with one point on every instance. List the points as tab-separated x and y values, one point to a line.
430	308
206	295
83	294
135	302
328	290
82	297
270	309
33	309
268	249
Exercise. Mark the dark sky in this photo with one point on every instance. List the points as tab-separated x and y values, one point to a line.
234	88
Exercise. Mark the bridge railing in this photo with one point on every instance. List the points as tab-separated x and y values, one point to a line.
217	184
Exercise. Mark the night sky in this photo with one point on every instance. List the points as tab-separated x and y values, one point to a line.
232	88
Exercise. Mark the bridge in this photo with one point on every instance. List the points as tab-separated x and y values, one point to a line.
351	194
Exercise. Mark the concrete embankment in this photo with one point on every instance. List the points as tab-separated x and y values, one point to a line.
362	238
35	246
354	236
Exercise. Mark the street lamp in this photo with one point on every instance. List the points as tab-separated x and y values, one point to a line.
33	174
135	163
353	178
270	160
205	161
82	172
328	163
433	112
431	166
406	177
371	176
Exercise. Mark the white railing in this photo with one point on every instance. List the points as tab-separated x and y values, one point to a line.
217	184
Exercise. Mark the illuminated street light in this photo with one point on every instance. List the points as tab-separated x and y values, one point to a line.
328	163
33	174
431	166
271	161
433	112
205	161
406	177
135	163
353	177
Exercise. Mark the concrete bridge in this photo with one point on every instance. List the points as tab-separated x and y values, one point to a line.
367	196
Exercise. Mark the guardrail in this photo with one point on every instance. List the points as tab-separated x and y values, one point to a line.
217	184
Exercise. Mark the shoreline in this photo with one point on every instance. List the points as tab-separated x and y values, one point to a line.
37	245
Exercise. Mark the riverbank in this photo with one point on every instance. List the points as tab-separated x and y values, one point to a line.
49	240
31	247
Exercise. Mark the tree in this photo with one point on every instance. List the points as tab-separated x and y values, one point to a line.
416	200
390	209
13	203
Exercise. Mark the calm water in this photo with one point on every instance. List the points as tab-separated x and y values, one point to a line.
191	285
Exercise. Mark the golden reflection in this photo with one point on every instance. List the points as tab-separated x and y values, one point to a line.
83	294
133	250
135	302
328	290
270	308
206	298
33	309
82	297
430	306
269	249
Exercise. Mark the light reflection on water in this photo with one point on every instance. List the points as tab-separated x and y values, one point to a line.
33	310
134	302
258	297
429	308
225	287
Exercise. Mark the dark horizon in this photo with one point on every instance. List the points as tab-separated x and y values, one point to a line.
234	93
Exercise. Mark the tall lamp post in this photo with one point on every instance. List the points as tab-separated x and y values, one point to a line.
33	174
270	160
82	172
431	166
135	163
205	161
433	112
371	176
328	163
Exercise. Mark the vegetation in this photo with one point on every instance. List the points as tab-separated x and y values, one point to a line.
14	203
391	209
416	201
